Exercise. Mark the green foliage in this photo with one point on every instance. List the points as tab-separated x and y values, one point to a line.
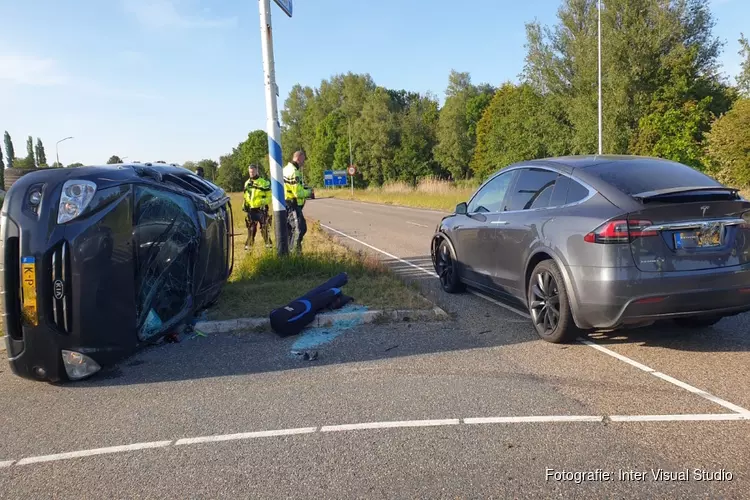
25	162
114	159
254	149
729	145
518	125
74	165
230	175
30	160
41	157
9	151
209	168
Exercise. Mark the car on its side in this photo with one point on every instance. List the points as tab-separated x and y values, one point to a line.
601	242
98	261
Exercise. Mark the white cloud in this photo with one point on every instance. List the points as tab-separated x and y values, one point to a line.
25	70
165	14
30	70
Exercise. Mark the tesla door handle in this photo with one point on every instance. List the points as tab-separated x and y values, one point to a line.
500	222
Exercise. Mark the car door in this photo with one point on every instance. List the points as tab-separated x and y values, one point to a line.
475	232
518	226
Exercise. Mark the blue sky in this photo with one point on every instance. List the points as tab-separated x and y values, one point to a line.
179	80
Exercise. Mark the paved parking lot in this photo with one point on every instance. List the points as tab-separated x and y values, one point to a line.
474	406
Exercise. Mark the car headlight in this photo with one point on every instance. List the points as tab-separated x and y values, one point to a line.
76	196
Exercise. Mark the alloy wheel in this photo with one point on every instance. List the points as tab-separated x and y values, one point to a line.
445	266
545	303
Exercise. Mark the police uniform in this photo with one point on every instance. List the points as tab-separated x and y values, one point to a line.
295	194
257	194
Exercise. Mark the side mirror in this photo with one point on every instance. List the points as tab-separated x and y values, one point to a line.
462	209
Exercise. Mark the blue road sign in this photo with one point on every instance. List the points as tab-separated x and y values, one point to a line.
286	6
335	178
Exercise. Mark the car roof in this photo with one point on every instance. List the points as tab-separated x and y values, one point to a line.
587	161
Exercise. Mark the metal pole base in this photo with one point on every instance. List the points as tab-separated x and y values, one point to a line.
279	229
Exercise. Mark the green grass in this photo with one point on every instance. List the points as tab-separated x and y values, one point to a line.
429	193
261	281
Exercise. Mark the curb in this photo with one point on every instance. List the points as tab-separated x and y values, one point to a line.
327	319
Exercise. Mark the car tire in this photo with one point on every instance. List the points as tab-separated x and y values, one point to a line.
446	267
546	289
697	322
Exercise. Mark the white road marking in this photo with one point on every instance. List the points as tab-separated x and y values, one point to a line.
389	425
431	273
706	417
416	224
97	451
359	213
244	435
667	378
535	419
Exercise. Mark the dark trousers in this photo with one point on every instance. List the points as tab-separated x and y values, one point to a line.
255	217
297	226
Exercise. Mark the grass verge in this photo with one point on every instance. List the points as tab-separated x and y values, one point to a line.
261	281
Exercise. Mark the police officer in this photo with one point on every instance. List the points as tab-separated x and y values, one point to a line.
295	194
257	197
200	173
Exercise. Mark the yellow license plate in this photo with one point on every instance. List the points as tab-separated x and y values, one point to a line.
28	279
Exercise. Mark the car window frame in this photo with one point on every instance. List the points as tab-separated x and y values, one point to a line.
515	170
512	172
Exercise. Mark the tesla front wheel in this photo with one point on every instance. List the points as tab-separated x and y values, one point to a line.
447	268
548	304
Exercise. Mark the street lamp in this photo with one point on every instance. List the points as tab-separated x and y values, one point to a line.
57	154
599	36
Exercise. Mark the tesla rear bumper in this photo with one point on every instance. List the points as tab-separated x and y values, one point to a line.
612	297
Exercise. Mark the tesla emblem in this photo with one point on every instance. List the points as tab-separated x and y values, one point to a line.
704	209
58	289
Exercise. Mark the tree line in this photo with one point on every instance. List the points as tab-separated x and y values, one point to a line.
663	95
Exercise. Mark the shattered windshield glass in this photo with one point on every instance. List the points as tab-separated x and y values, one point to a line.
166	238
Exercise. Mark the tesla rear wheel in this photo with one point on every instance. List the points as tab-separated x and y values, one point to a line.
697	322
447	269
548	304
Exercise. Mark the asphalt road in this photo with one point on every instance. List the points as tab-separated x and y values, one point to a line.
472	407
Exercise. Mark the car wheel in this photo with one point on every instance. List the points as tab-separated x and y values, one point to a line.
548	304
697	322
447	269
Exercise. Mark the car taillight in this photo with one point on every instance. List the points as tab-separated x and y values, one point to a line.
619	231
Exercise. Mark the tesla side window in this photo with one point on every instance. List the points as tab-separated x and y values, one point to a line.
490	197
560	191
576	192
532	190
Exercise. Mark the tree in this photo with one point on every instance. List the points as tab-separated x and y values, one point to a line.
41	157
230	175
519	124
209	169
56	165
454	146
377	138
25	162
294	135
743	80
113	160
2	170
9	151
418	129
30	160
254	149
729	145
2	162
74	165
648	44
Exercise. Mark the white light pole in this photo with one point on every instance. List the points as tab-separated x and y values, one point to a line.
57	154
600	75
272	124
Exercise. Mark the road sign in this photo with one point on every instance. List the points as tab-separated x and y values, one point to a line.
352	170
286	6
334	178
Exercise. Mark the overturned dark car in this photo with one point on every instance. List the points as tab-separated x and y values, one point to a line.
96	262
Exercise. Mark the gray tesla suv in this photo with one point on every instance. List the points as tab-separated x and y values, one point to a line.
599	242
